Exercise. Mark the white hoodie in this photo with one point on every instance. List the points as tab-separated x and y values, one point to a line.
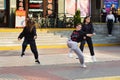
110	17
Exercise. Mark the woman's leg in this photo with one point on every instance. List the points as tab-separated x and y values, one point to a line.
79	54
82	45
109	26
90	45
24	45
76	49
34	49
70	54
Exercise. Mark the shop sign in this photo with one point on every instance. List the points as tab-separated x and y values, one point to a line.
35	5
108	4
35	1
50	7
20	18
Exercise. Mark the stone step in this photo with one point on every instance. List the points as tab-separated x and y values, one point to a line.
43	38
53	38
98	38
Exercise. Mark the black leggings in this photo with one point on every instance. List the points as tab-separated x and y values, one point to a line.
32	47
90	45
110	26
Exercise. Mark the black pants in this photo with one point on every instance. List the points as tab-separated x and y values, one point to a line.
119	18
103	18
110	26
90	45
32	47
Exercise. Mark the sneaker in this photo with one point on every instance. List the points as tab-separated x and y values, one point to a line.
109	35
83	66
93	58
22	54
37	61
70	55
77	57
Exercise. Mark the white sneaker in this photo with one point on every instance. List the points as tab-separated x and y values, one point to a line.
83	66
93	58
109	35
70	55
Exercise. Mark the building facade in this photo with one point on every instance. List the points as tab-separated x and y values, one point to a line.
50	8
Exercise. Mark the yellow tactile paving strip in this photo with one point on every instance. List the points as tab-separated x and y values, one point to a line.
103	78
39	47
38	29
48	46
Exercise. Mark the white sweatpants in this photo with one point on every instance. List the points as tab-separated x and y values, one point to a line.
74	46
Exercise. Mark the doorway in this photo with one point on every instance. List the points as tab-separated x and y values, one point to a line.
95	10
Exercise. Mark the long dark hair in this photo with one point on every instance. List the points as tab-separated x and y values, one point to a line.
84	21
30	24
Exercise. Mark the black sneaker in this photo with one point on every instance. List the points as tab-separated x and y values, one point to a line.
37	61
22	54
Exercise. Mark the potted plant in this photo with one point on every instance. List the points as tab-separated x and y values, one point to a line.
77	18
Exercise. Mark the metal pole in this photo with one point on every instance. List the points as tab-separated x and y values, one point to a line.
26	7
64	7
76	5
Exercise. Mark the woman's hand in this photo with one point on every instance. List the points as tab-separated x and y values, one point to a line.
35	37
19	39
84	37
89	35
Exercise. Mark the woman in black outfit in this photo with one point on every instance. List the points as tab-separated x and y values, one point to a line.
88	28
103	14
114	12
29	34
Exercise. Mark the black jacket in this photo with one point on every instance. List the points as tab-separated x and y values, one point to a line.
27	34
77	36
88	28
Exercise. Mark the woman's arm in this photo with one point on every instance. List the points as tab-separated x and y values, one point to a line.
22	34
34	32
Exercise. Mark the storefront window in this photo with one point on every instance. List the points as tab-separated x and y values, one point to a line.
72	5
3	11
84	7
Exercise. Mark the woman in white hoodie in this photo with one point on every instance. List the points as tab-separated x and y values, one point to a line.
110	19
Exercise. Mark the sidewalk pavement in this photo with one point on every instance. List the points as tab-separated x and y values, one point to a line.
56	65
